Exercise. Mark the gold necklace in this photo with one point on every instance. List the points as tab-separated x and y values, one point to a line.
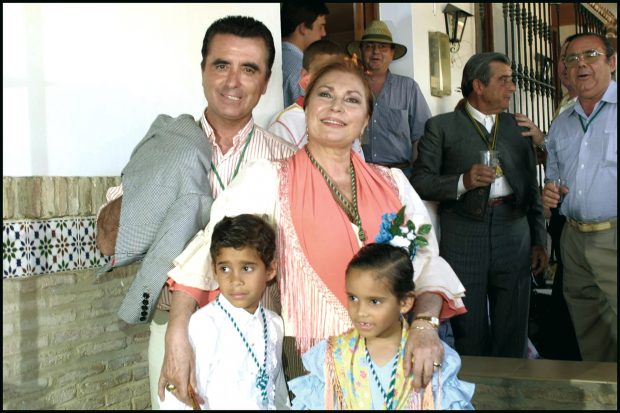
491	146
350	210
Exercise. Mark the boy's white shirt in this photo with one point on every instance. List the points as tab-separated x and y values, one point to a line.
225	370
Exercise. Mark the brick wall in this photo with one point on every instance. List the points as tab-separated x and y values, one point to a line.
42	197
63	345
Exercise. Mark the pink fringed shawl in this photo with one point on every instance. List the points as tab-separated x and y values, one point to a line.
316	242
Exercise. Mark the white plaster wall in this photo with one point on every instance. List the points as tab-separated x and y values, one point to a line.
410	24
83	82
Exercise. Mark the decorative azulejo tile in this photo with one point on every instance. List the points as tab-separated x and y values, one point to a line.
35	247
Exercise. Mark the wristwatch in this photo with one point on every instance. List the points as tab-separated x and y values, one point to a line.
434	321
542	146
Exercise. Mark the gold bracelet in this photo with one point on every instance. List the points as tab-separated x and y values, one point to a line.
424	328
434	321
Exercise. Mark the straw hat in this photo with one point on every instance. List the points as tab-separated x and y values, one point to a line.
377	32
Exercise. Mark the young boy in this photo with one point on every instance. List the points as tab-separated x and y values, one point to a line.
237	342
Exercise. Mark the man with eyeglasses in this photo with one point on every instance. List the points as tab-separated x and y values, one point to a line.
582	151
400	110
557	334
492	228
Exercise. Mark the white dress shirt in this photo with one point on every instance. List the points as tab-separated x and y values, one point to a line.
262	145
225	371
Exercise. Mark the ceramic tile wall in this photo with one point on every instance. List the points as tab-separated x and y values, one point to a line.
35	247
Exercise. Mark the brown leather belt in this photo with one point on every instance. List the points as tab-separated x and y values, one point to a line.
500	200
591	226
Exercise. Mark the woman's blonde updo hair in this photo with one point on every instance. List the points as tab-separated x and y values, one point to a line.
344	66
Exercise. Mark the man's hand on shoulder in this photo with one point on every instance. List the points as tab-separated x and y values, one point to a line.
538	138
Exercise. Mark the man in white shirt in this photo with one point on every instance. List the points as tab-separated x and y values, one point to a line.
582	151
558	340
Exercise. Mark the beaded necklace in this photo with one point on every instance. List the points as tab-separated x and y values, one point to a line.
587	125
217	175
350	209
263	377
491	146
388	398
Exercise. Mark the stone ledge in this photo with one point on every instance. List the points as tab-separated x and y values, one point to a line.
508	383
584	371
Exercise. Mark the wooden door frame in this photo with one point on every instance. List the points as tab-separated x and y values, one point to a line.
363	14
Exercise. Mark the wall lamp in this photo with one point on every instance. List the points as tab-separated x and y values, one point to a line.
455	25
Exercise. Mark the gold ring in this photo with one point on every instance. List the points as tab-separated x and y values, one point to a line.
171	387
436	364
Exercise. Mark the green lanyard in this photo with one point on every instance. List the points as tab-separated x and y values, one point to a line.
247	142
491	146
587	125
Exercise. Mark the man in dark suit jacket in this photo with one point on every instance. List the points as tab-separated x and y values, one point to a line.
491	219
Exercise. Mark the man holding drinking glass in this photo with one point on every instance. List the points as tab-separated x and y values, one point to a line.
477	164
582	153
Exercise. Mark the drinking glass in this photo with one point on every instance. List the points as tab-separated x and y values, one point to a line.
558	183
489	158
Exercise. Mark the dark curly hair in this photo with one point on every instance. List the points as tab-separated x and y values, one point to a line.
244	231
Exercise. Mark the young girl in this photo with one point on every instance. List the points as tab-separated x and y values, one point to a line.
363	368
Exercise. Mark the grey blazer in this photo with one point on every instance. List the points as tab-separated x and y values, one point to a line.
166	201
449	147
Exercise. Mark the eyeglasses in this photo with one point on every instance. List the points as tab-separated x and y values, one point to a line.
589	56
382	47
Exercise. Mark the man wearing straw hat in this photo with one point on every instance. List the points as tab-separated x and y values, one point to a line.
400	108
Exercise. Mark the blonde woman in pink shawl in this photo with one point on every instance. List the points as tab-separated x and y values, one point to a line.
325	203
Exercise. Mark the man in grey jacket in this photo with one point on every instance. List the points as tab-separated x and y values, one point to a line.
175	172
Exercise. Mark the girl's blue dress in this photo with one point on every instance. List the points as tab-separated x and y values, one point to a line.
309	389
